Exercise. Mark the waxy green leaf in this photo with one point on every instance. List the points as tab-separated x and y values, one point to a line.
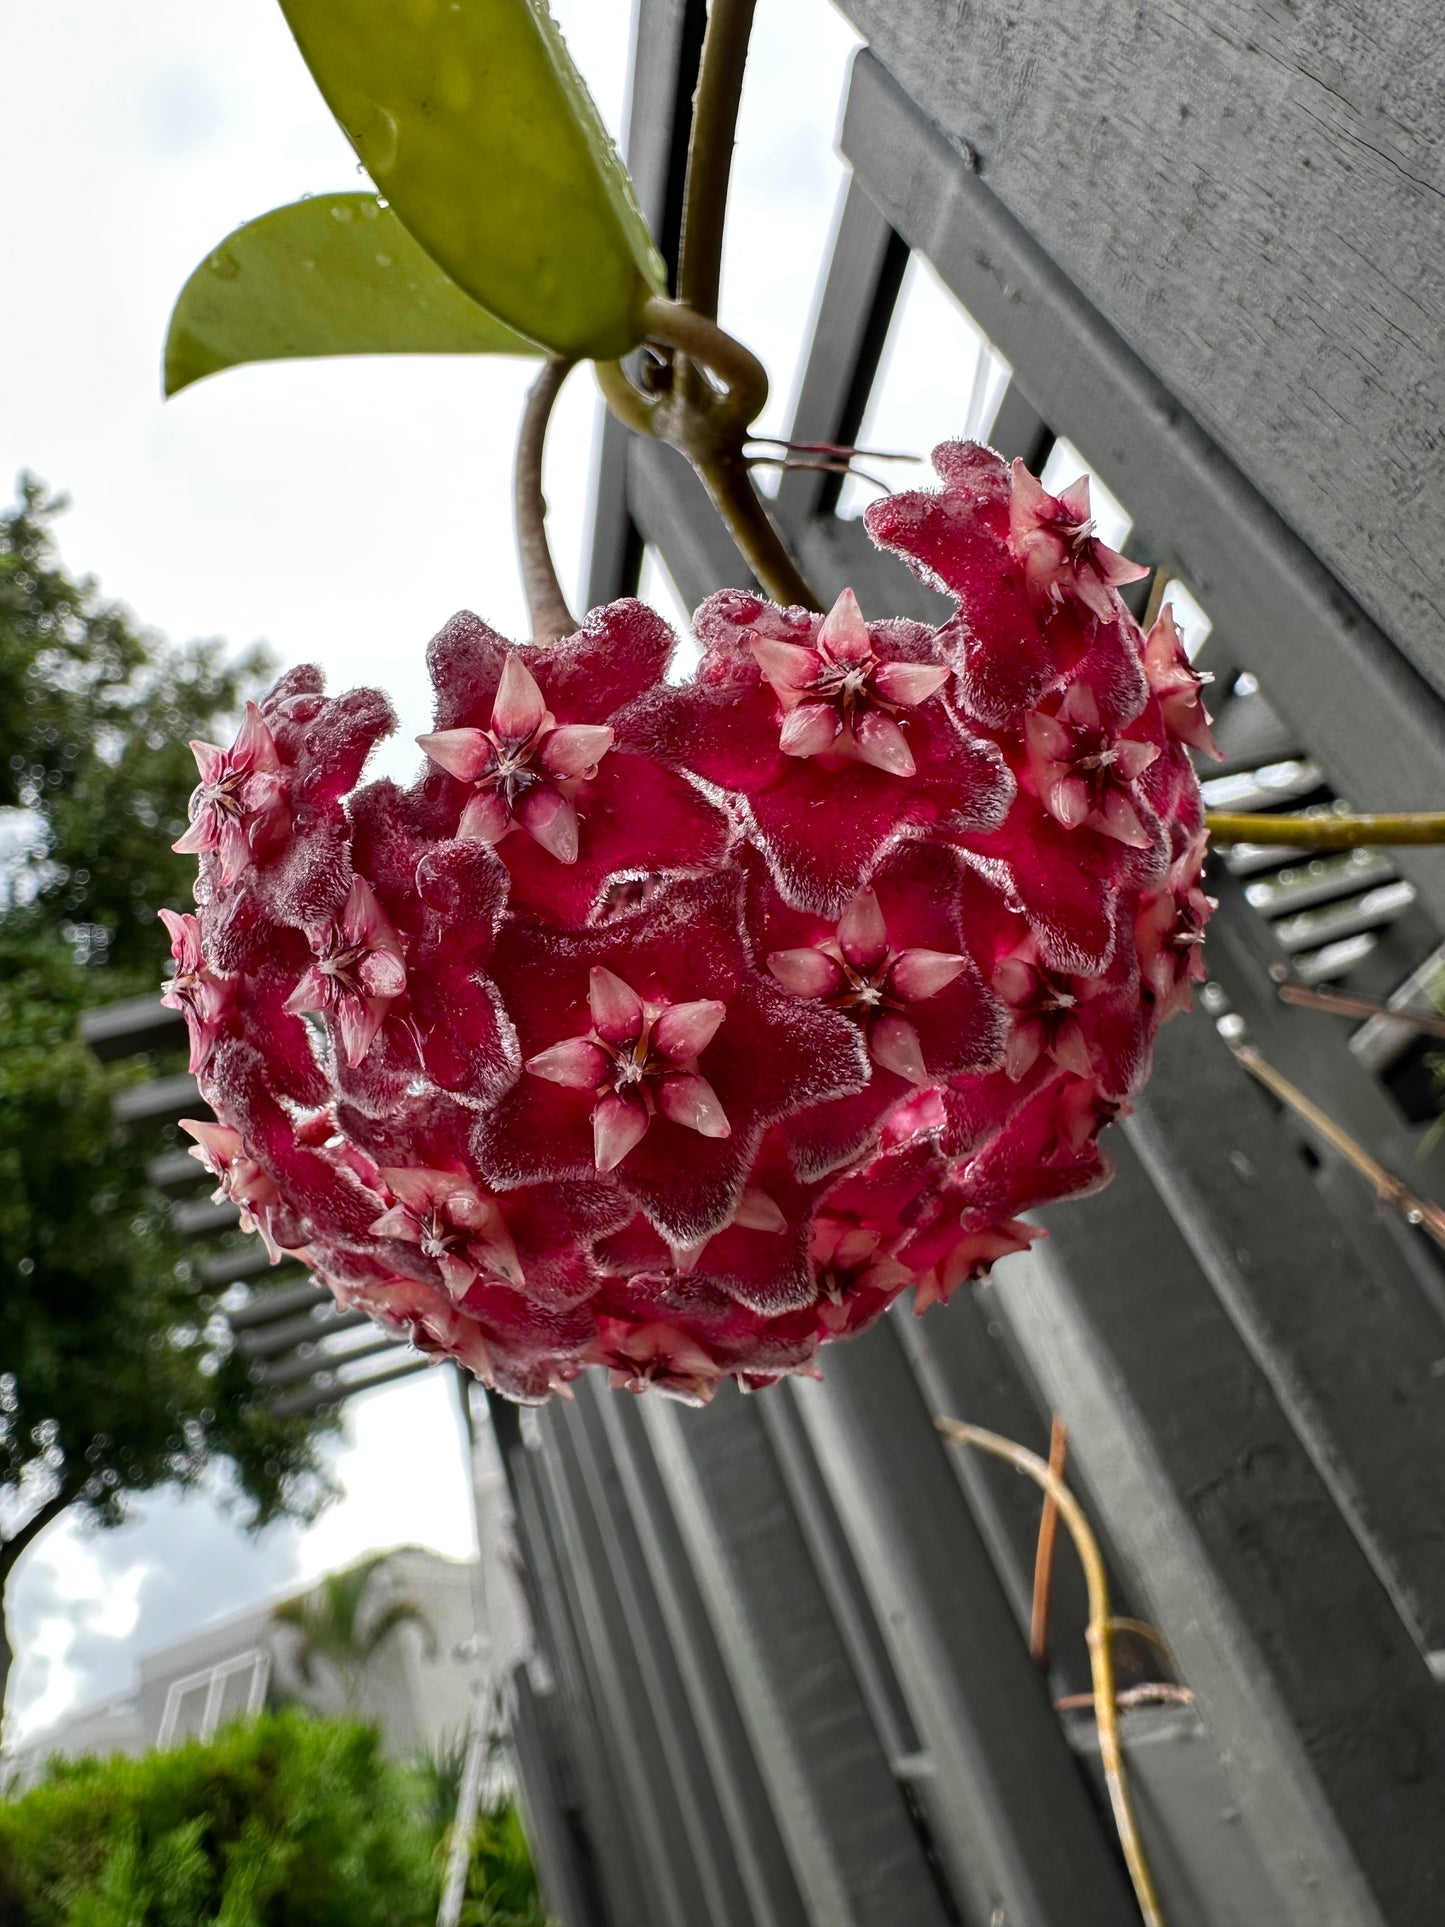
336	275
472	120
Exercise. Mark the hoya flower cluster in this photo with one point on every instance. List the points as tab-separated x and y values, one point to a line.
677	1029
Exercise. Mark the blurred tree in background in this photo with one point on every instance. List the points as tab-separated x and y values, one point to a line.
113	1376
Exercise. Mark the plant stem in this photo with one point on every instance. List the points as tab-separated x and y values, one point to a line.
546	603
1101	1658
1044	1551
710	152
758	542
1389	1189
1327	832
1344	1003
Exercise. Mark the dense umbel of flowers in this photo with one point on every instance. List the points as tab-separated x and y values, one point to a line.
678	1028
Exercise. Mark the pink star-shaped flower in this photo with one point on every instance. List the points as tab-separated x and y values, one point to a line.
519	764
239	806
638	1059
1169	932
685	1161
856	971
1053	536
455	1224
1083	772
222	1152
360	971
656	1355
1091	1026
838	694
789	746
194	988
1177	685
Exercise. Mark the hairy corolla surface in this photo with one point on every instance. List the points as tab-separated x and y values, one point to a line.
679	1028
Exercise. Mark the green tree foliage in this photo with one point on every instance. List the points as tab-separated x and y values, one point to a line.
114	1376
285	1821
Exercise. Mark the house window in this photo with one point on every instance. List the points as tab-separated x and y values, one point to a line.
197	1705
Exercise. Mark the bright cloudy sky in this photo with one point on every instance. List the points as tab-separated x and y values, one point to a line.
342	511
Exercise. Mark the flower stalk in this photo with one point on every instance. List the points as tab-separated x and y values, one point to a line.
1327	832
1390	1190
546	604
1099	1635
709	387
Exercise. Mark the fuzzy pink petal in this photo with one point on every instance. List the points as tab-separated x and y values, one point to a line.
486	819
463	753
808	730
758	1212
576	1062
1131	759
1116	569
519	707
616	1008
550	818
893	1043
1121	820
844	633
359	1019
862	934
685	1029
617	1128
312	993
575	749
1067	800
382	974
882	743
255	748
199	836
806	973
398	1222
790	667
210	759
691	1101
909	683
922	973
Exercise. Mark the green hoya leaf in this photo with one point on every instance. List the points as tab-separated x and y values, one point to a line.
472	120
336	275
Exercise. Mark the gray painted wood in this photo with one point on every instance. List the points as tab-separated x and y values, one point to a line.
1253	192
1330	1729
1371	719
1020	1836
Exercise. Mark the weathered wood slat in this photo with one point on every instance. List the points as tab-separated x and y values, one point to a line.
1330	1728
1254	194
1375	723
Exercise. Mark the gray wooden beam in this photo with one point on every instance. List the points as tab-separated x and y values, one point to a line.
855	307
1252	193
612	1623
1353	1352
667	40
859	1861
1021	1836
761	1855
1330	1729
698	1839
1371	718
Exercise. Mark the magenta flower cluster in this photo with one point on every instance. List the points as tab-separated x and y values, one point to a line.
678	1028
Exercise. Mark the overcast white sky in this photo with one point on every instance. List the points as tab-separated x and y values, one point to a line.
341	510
